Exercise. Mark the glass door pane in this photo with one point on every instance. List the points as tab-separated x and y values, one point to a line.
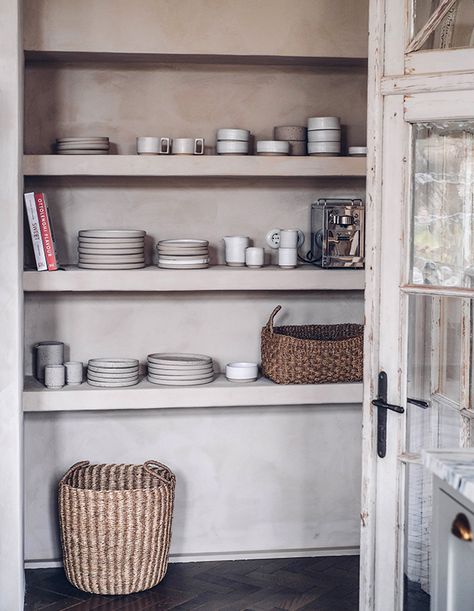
443	204
456	29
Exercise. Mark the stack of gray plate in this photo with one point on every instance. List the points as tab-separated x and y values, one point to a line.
183	254
111	248
91	145
176	369
111	373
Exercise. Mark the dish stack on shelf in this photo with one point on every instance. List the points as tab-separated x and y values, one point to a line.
111	248
92	145
183	254
112	373
177	369
232	141
324	136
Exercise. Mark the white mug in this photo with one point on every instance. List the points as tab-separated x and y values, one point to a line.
235	247
254	256
148	145
287	257
187	146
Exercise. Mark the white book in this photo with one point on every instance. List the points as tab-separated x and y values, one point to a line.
35	231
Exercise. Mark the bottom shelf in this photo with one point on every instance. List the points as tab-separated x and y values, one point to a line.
220	393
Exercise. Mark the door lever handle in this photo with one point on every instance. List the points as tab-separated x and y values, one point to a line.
384	404
418	402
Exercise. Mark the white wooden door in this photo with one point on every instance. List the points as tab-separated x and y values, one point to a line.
420	272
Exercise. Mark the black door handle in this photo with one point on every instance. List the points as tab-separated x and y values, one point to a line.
418	403
381	403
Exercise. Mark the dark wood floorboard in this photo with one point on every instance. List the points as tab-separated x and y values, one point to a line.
289	584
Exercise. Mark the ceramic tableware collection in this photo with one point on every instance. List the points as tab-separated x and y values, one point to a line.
111	249
176	369
324	136
89	145
183	254
112	372
152	145
232	141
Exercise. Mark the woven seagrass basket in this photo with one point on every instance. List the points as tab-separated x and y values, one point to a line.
115	523
312	354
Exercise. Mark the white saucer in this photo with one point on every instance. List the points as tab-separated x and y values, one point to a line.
81	152
110	242
111	378
85	138
112	370
183	260
83	250
111	258
184	243
174	370
87	146
112	233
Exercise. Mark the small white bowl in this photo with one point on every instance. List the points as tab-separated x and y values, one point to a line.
232	147
226	133
324	148
324	135
274	147
324	123
357	151
148	145
241	372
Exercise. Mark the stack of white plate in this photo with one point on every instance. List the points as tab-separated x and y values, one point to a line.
111	248
176	369
111	373
183	254
92	145
232	141
324	136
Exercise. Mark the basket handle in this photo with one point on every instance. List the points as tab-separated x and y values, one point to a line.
77	465
151	467
269	324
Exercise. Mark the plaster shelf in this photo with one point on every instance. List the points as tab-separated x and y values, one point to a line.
216	278
220	393
192	166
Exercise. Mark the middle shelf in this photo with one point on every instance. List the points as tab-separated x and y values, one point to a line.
220	393
216	278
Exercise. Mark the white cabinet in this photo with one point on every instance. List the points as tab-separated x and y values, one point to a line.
453	550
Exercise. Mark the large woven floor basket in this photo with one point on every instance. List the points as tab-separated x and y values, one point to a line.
116	525
312	354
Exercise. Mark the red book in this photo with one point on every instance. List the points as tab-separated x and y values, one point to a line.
46	232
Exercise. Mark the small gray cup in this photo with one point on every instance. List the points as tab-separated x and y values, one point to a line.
74	373
54	376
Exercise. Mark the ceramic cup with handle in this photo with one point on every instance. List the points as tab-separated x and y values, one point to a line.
235	247
187	146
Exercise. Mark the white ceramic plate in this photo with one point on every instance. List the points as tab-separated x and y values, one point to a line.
112	370
110	251
242	381
111	378
113	362
183	256
176	267
179	358
112	233
183	260
183	373
88	146
176	366
82	152
226	133
85	138
273	146
180	382
83	258
111	266
187	242
113	384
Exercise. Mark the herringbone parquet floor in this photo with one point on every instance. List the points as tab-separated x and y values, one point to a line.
320	584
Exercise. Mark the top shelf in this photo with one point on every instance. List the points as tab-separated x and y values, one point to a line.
192	166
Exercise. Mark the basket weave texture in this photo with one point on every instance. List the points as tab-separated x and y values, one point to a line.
312	354
115	523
